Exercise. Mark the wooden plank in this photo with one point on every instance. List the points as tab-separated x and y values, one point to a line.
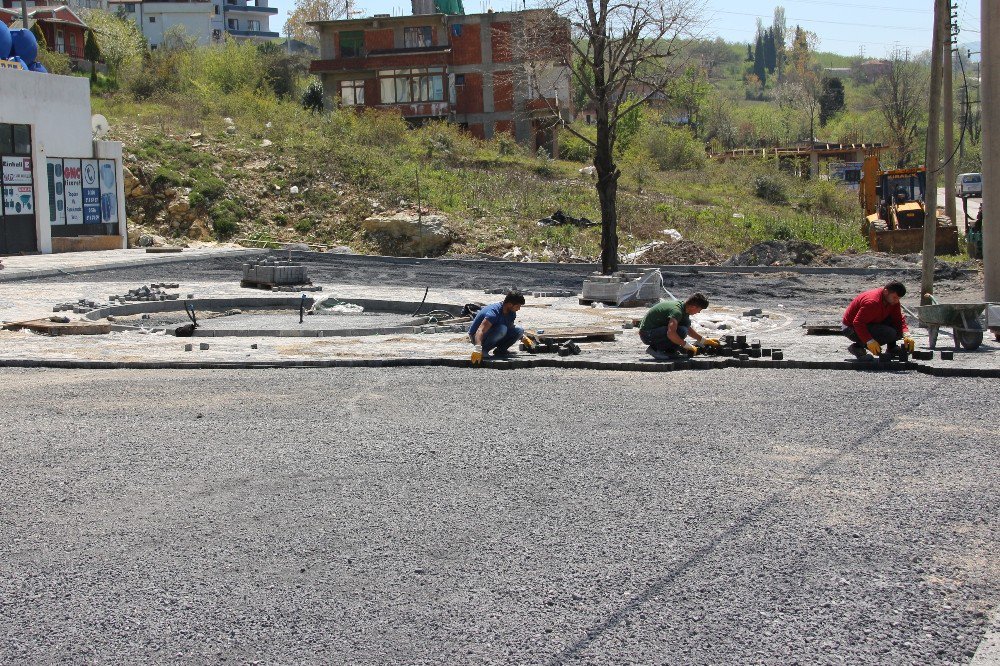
826	327
57	328
575	333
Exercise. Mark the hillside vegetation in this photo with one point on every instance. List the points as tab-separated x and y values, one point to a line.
220	146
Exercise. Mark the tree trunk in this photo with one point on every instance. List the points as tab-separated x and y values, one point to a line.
607	193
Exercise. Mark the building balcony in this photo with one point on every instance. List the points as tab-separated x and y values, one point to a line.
250	9
257	34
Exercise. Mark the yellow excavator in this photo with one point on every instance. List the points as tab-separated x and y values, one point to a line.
893	204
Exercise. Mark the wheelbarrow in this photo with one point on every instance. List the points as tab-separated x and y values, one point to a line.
961	318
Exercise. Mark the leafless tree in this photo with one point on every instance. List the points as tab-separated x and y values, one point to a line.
901	99
619	54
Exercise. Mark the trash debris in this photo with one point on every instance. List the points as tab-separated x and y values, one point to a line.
560	217
333	305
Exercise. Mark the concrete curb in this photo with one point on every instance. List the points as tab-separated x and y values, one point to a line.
514	364
324	257
153	260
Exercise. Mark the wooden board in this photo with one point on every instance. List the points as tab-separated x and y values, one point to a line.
55	328
825	327
576	334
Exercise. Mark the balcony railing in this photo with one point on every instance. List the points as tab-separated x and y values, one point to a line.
250	8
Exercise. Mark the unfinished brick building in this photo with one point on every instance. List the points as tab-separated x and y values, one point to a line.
466	69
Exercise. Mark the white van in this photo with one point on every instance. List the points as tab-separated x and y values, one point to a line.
969	185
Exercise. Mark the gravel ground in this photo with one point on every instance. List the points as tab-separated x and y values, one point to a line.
549	517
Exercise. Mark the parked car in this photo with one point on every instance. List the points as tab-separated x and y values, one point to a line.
969	185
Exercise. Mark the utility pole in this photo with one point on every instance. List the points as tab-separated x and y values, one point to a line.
24	14
949	122
933	162
988	91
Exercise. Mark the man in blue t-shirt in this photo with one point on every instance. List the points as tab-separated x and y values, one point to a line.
493	328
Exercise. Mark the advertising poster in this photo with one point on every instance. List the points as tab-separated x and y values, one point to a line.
109	193
18	197
91	193
57	202
73	186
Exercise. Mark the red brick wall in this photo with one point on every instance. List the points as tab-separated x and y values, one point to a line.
376	40
466	50
500	40
469	98
504	126
476	130
503	91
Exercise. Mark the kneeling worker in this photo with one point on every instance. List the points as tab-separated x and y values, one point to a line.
493	328
875	318
667	324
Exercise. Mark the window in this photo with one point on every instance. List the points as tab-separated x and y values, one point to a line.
216	10
22	140
417	37
6	139
232	24
456	30
152	19
60	41
460	79
352	93
399	86
253	25
72	44
352	44
130	7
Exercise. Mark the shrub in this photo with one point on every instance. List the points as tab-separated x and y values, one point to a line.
164	177
771	189
304	225
575	149
226	216
312	98
207	185
673	148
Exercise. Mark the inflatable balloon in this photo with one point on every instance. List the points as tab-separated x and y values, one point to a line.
18	61
25	45
38	67
4	41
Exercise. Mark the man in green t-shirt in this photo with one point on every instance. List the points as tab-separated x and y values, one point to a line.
667	324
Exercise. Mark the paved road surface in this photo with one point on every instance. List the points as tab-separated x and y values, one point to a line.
974	205
434	516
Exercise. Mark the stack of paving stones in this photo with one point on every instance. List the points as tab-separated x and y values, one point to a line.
81	306
147	293
608	289
737	346
276	274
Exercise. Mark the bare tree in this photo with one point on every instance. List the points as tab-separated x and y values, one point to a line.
620	54
297	24
901	100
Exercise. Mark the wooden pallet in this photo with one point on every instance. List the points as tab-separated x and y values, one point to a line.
575	334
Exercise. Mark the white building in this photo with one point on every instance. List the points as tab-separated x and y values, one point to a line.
62	191
205	20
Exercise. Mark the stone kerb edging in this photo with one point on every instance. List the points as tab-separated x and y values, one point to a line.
515	364
285	302
326	257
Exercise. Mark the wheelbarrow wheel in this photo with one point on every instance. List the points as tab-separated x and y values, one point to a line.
970	339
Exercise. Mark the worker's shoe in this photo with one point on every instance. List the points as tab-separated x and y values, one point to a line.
660	355
858	351
502	353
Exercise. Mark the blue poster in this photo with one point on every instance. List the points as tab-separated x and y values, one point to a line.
91	193
109	193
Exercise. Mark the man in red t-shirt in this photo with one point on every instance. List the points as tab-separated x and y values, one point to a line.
875	318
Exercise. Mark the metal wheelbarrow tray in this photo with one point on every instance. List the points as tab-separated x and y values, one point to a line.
961	318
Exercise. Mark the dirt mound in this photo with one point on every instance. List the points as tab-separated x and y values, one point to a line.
681	252
781	253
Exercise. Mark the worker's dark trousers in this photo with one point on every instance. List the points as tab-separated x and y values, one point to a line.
885	333
658	340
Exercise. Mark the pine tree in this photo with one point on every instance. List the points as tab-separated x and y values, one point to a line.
92	52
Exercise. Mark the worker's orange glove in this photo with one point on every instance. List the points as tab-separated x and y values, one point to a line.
477	355
874	347
691	349
909	344
710	342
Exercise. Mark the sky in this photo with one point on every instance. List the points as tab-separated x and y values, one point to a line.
877	28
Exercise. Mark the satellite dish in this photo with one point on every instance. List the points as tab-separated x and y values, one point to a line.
100	125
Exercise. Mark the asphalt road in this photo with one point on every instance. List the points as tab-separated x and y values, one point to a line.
435	516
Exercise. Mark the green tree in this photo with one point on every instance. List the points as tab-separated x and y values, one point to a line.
92	52
119	40
831	99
